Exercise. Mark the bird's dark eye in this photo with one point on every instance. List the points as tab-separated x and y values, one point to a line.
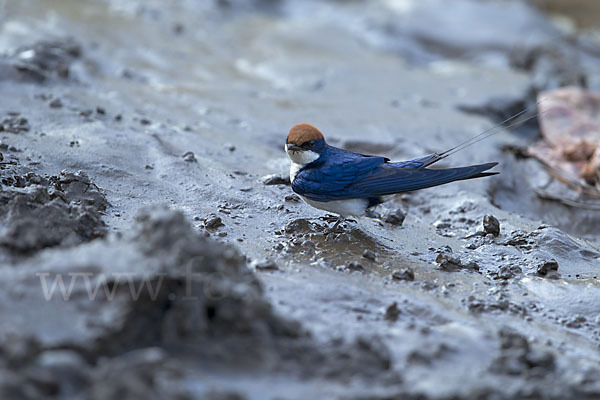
308	145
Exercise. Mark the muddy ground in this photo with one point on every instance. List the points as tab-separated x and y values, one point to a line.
151	247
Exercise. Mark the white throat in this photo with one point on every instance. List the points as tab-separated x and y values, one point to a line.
299	159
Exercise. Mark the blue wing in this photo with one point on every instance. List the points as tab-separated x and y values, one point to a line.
325	179
352	176
389	179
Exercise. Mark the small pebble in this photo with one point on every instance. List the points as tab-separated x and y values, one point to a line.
56	103
230	147
426	285
395	217
491	225
213	221
447	260
392	312
369	255
292	197
547	267
266	265
575	322
189	157
403	274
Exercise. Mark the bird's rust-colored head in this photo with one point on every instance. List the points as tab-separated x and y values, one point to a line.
303	136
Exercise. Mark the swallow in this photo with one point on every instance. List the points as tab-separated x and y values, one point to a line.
351	184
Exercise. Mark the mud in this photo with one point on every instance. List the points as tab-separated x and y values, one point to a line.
142	166
40	212
195	300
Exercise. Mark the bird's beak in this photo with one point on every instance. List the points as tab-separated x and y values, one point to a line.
293	147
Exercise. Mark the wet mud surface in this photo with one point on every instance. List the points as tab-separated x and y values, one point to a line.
151	246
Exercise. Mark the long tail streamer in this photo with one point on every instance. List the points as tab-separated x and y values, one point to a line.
495	129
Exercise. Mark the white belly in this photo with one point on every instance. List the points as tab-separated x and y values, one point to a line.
345	208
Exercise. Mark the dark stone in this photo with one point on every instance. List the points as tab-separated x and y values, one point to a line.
395	217
266	265
448	261
292	197
546	267
189	157
369	255
576	322
213	221
491	225
392	312
403	274
56	103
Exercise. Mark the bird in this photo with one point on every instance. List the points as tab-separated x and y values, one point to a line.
346	183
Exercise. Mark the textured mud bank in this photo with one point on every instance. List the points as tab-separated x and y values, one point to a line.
151	246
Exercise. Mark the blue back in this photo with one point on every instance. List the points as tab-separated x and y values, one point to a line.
340	175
